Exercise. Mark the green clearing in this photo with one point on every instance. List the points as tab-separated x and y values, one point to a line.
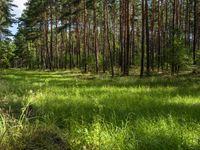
70	110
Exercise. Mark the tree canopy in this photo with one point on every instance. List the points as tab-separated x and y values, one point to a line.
104	35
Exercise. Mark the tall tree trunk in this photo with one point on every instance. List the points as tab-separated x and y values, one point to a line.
142	42
51	37
107	36
127	38
48	58
56	44
95	37
152	36
133	35
70	44
147	38
195	32
84	38
121	60
173	38
159	36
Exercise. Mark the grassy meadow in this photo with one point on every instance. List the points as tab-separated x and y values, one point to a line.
69	110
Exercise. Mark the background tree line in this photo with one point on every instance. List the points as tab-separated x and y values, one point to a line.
7	47
109	35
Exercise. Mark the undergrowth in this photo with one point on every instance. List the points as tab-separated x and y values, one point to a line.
70	110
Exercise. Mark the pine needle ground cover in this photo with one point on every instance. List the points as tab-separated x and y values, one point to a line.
70	110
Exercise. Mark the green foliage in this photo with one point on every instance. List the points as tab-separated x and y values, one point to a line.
198	57
177	54
6	53
182	57
6	18
52	110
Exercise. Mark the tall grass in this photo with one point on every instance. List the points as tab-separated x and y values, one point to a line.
69	110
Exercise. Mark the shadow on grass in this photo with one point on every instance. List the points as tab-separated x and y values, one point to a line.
185	86
84	112
12	108
114	109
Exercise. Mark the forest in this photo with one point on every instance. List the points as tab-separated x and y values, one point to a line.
100	74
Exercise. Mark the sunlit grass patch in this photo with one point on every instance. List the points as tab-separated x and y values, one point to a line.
86	111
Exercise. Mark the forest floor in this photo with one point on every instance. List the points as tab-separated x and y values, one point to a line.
70	110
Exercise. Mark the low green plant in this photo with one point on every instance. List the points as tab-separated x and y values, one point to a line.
70	110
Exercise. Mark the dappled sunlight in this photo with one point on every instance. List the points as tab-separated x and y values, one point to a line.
106	113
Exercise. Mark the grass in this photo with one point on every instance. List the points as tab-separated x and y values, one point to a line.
70	110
